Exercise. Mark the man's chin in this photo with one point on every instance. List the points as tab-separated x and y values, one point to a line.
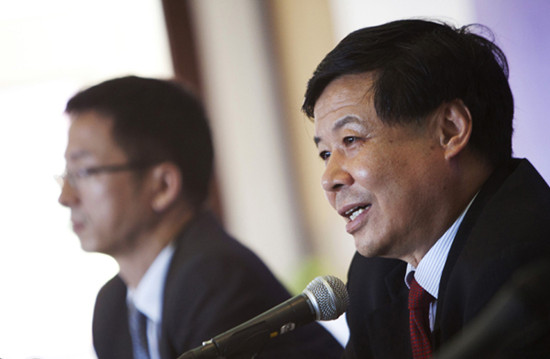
363	245
87	249
88	244
369	248
364	249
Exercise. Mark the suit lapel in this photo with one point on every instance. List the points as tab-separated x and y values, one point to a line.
452	316
110	325
389	324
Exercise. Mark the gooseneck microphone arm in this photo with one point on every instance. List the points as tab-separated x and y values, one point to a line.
325	298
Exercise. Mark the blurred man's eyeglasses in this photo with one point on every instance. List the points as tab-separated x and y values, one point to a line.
72	177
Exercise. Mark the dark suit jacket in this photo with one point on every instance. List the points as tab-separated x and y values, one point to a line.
507	227
213	284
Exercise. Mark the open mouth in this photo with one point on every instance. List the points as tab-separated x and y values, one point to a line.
355	212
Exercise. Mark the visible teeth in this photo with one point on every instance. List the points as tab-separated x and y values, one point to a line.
356	213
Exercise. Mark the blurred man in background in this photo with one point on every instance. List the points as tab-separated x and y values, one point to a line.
413	120
138	169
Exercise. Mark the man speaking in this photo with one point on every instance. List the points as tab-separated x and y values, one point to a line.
413	120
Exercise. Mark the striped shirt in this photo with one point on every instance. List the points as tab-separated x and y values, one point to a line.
429	269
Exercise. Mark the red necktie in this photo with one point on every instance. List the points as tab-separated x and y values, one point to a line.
419	306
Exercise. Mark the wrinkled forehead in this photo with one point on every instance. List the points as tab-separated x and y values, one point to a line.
346	90
346	101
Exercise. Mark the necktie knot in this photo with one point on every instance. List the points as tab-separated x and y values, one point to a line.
419	298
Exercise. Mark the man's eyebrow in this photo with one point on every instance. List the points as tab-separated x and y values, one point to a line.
74	156
344	121
341	122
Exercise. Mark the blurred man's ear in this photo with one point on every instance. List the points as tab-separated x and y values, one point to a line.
455	127
167	185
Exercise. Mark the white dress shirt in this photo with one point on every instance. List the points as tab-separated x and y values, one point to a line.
148	296
429	269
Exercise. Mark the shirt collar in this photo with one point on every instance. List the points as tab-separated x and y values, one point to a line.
148	295
429	269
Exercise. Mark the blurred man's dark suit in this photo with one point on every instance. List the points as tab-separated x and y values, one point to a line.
213	284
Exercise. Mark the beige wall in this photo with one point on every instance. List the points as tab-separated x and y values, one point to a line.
303	33
256	58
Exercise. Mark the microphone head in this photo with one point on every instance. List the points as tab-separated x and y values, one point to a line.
328	297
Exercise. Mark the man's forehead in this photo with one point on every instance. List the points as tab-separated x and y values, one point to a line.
346	90
90	136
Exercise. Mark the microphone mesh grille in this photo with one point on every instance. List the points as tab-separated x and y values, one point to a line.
330	297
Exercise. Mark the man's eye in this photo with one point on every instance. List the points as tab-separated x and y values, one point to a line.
348	140
324	155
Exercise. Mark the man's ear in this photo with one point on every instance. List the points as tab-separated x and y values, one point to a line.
455	128
167	185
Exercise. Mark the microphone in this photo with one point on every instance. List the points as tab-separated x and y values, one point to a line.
325	298
519	311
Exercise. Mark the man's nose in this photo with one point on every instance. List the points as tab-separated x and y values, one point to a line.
336	175
68	196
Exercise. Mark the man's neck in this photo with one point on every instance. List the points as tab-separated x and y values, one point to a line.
135	262
469	176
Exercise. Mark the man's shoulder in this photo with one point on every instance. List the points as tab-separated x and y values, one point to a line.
206	246
211	262
515	214
109	327
523	183
204	234
113	291
525	180
506	229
